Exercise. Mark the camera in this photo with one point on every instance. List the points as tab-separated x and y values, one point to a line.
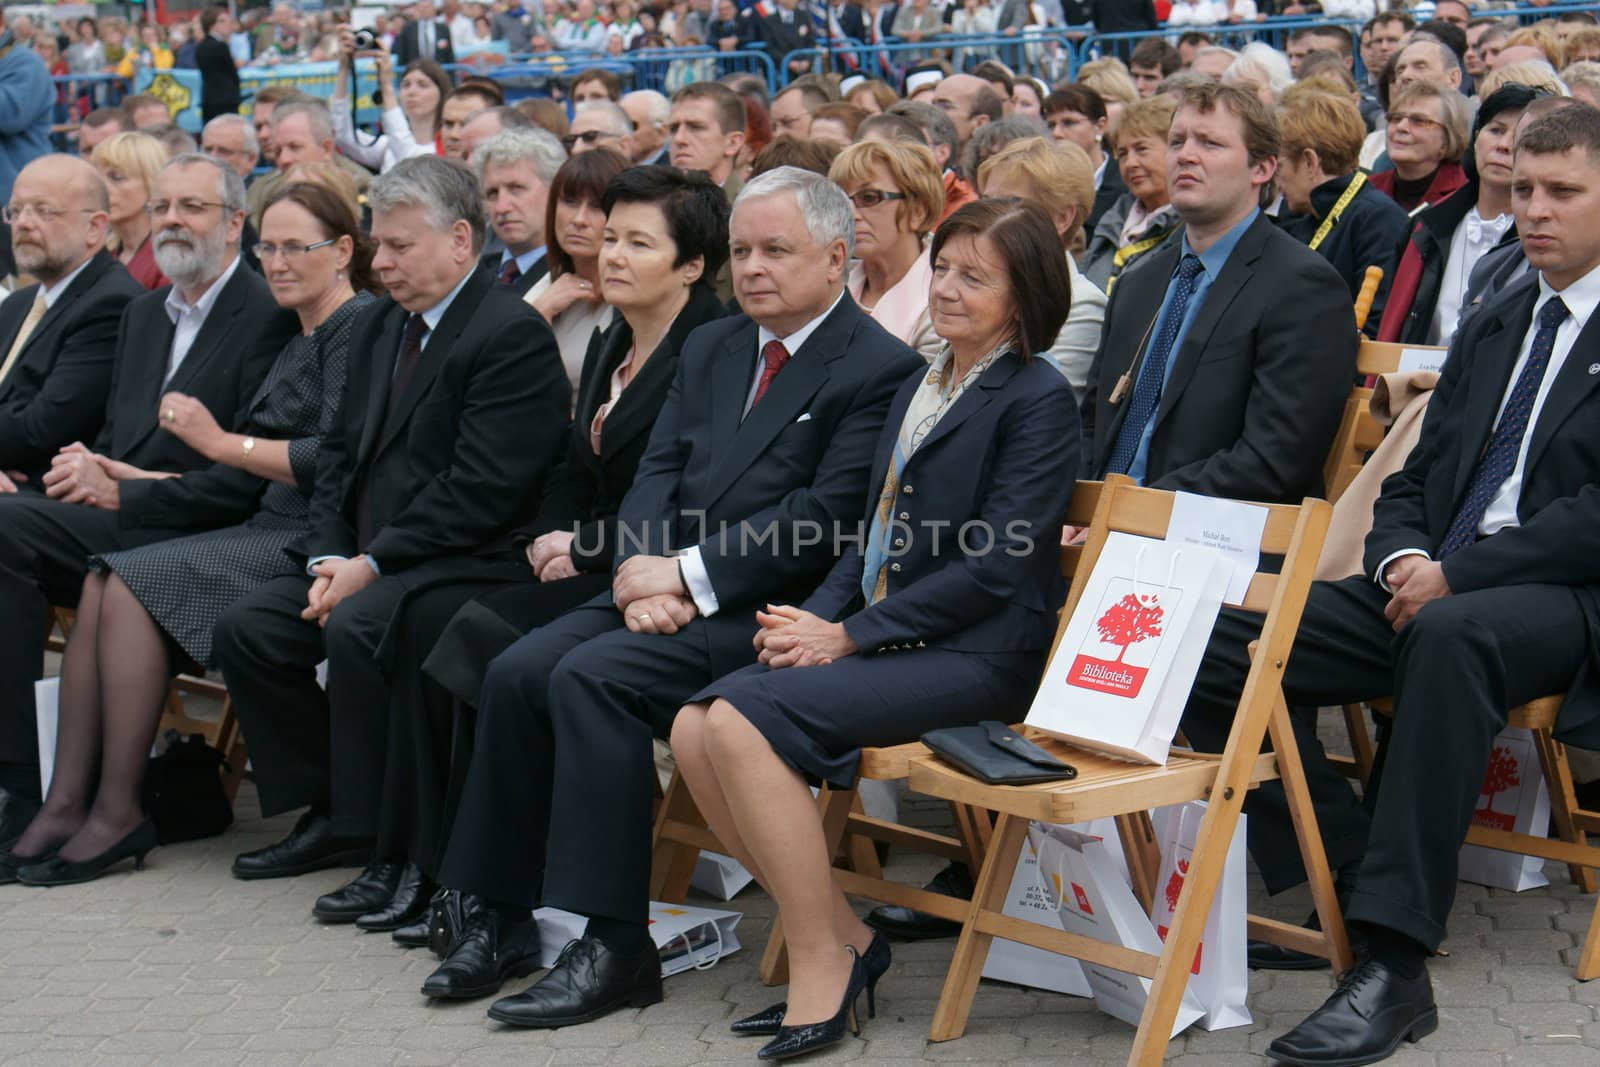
366	41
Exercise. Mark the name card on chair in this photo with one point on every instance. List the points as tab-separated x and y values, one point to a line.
1231	528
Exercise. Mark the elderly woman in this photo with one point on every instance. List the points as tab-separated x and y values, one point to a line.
147	612
129	162
1448	239
1426	133
411	115
910	632
569	297
665	235
1339	214
1058	177
898	196
1144	217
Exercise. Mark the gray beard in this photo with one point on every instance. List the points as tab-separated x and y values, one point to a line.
189	265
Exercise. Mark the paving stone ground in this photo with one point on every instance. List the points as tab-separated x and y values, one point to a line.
181	964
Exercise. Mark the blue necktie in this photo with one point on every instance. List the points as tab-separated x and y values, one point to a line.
1153	374
1500	457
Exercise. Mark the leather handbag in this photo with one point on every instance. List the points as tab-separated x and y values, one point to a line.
183	791
997	755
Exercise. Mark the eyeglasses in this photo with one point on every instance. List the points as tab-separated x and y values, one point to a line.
15	213
1418	122
587	137
291	250
187	208
873	197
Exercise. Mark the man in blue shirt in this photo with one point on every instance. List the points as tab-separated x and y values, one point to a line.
25	100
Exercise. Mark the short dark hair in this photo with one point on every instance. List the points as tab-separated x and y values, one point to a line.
487	88
583	177
995	73
1031	248
815	156
1080	98
1561	131
607	79
1346	45
895	127
1585	17
728	104
695	207
209	17
1383	18
102	116
279	94
1153	52
134	101
1448	34
478	90
1195	37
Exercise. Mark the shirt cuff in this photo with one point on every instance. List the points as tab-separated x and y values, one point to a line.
314	560
1384	566
373	563
698	581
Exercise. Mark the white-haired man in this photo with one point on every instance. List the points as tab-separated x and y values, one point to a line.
648	110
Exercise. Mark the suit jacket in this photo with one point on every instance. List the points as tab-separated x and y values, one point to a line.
762	497
1254	394
219	78
527	279
406	47
1005	456
1370	233
585	492
1414	292
236	346
472	438
781	39
56	391
1111	190
1559	508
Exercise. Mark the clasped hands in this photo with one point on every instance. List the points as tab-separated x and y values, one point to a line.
1414	581
550	556
335	580
790	637
650	593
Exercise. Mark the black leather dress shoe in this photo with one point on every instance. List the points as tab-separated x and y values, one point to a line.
488	952
906	925
588	981
412	935
407	904
447	918
368	891
16	812
311	846
1373	1010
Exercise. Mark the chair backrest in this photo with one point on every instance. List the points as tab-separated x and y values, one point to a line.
1359	433
1080	513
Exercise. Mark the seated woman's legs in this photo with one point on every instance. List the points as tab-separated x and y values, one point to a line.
134	670
77	761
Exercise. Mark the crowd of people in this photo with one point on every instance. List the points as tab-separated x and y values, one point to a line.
560	431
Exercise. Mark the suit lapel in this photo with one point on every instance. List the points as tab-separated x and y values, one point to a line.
972	401
218	322
437	350
151	346
1496	354
385	351
1571	388
729	385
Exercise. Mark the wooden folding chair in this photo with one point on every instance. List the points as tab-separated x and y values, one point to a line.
1111	787
852	835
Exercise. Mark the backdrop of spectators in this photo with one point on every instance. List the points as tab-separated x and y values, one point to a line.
1152	60
26	98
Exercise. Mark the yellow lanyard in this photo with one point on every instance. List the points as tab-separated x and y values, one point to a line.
1128	253
1349	194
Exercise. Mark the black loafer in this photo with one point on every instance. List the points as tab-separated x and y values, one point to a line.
903	924
412	935
489	951
407	904
16	812
1369	1015
589	980
370	890
311	846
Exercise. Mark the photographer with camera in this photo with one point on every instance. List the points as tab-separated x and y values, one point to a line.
410	115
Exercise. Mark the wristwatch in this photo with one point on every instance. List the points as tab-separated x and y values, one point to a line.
246	447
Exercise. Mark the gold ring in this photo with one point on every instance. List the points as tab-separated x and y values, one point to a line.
169	416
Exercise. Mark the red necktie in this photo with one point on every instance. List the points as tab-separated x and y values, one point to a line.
773	358
509	272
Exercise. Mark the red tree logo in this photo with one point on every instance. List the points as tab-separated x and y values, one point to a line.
1129	621
1175	885
1500	776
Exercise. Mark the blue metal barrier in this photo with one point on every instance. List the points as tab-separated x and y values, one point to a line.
1023	53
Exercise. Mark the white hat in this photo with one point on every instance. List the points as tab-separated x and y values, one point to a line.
918	79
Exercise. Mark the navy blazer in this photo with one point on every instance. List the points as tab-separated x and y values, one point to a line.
1002	458
763	498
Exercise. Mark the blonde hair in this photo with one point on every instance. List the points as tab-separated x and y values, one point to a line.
1329	125
1060	172
1145	118
137	155
911	167
1453	106
1110	79
1584	73
1532	73
1542	37
330	176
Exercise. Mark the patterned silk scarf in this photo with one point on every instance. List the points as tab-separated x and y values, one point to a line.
934	397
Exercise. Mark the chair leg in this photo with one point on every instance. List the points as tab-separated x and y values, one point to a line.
1292	773
975	830
972	947
861	852
1563	801
1588	967
671	861
835	806
1355	720
230	741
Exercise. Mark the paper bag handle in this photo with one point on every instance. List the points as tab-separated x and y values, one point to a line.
1138	564
688	946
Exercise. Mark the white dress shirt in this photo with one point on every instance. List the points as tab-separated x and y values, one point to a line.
1581	298
188	318
1473	237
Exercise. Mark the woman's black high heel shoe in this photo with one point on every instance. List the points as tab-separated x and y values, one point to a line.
875	962
57	871
795	1041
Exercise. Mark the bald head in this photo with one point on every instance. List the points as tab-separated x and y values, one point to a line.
61	205
969	102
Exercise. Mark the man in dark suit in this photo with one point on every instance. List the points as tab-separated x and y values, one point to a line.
456	405
219	78
426	36
212	335
57	337
1207	379
1480	591
788	29
515	169
762	447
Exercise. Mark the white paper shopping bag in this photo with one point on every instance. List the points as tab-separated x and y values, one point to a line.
47	713
687	937
1094	901
1514	797
1120	678
1220	976
719	876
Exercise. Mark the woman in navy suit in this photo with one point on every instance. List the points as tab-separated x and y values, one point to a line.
939	614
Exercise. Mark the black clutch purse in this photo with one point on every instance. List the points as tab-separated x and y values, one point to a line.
994	754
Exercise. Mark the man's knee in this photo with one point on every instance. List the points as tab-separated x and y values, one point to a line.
1449	626
521	673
